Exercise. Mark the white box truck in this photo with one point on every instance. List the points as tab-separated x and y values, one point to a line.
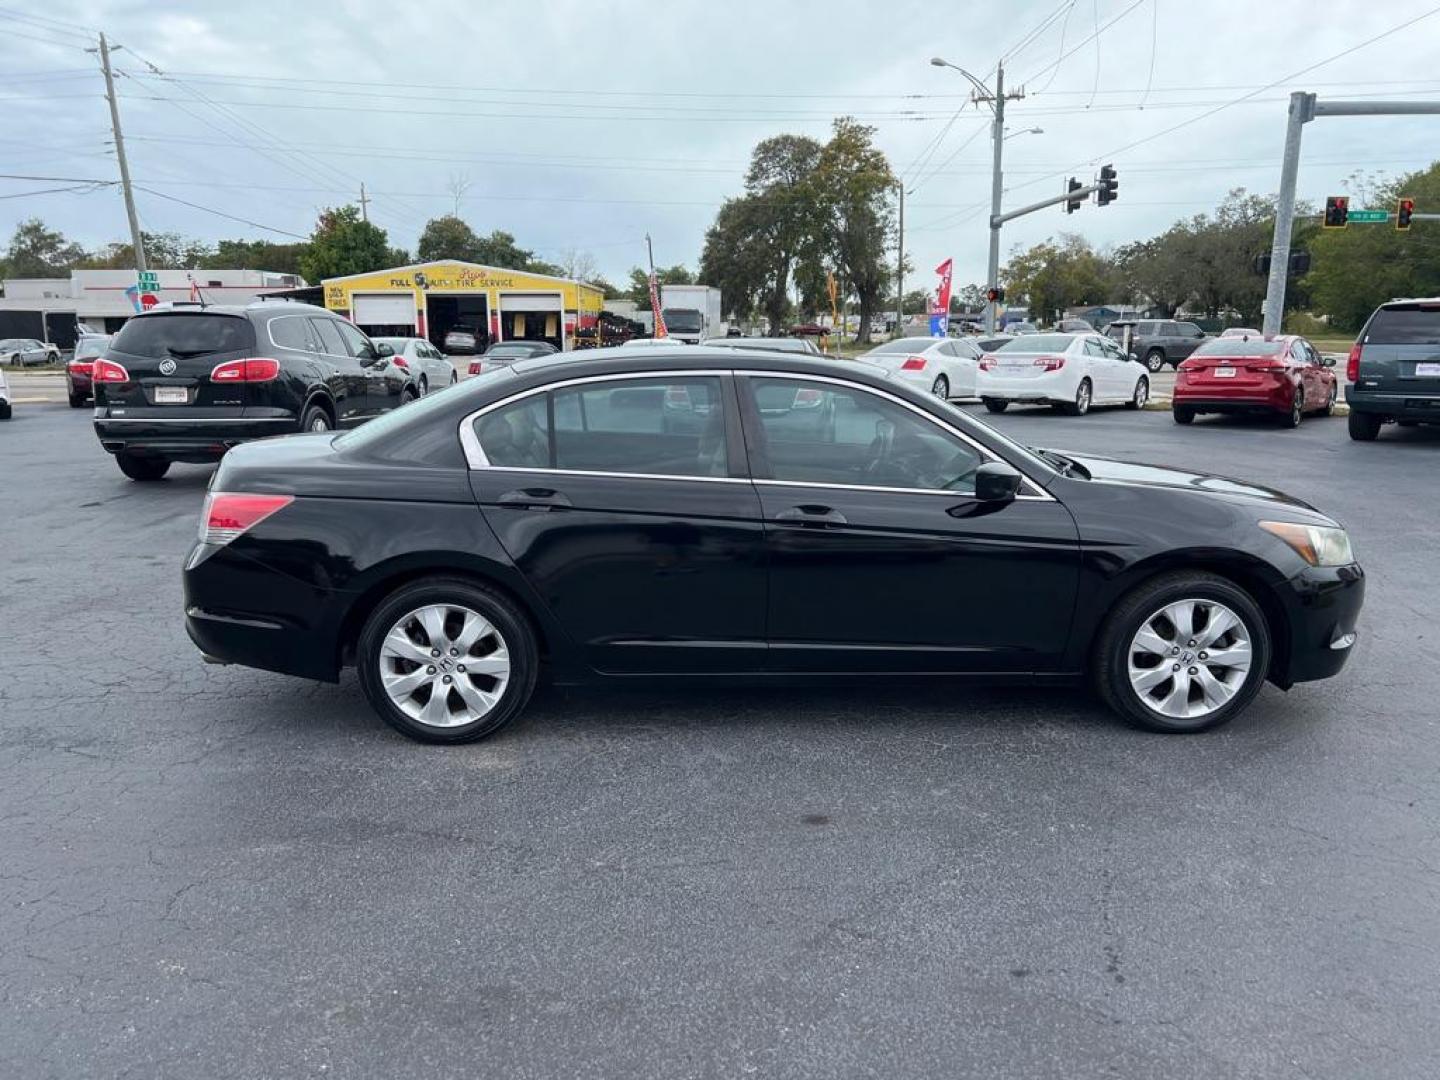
692	312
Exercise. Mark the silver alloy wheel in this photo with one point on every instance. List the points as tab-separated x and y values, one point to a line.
1142	393
1082	398
320	423
1189	658
444	665
941	387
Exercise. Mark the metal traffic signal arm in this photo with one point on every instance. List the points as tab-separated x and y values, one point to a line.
1303	108
1073	196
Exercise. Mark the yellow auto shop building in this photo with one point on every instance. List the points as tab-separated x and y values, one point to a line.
427	300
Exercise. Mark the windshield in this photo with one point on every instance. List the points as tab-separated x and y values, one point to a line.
1038	343
905	345
165	335
686	320
1240	347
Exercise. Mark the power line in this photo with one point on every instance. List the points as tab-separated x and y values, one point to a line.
1094	36
218	213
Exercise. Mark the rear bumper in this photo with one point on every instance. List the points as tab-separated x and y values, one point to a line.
186	438
1322	606
1210	398
1394	406
1045	391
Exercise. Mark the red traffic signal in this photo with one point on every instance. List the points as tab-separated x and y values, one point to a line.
995	296
1337	212
1403	212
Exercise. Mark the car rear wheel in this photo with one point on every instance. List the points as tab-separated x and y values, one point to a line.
4	410
1297	410
424	386
1154	360
940	387
1329	409
77	401
1183	415
1364	427
1141	395
447	661
316	419
141	468
995	405
1081	405
454	378
1184	652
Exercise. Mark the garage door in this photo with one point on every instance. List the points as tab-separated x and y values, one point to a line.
530	302
384	310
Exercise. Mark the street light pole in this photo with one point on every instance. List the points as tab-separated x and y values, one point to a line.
992	267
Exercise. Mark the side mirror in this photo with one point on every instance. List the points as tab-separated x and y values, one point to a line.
1135	357
996	481
383	351
1327	361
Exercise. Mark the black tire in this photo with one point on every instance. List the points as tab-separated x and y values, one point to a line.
315	418
995	405
1364	427
424	386
77	401
1154	360
512	626
454	378
1329	409
1292	418
1183	415
1111	662
4	410
941	387
1141	395
140	468
1081	405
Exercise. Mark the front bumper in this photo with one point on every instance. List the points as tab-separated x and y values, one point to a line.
1322	606
1394	406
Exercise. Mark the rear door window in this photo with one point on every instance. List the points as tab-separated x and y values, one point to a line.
657	427
180	335
293	332
517	436
1404	326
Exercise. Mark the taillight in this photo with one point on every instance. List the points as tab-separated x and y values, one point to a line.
476	367
401	363
82	367
1050	363
1352	365
913	363
253	369
227	516
110	371
987	363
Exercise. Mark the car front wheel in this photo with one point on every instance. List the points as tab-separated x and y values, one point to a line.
1141	395
1184	652
447	661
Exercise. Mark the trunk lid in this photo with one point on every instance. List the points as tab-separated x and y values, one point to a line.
170	351
1236	362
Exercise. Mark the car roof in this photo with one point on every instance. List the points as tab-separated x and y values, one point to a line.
617	359
260	308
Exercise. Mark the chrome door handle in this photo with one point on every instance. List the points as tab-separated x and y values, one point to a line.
533	498
810	514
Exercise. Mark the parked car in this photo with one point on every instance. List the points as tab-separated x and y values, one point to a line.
1018	328
505	353
809	330
1284	376
771	344
947	368
1074	326
900	539
5	406
428	366
188	384
1069	372
1157	341
27	351
991	342
1393	372
463	340
1240	332
80	367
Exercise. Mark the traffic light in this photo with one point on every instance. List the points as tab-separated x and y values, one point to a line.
1403	212
1109	185
1262	264
1073	204
1337	211
1299	263
995	296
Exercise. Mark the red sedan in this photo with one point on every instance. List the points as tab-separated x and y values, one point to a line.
1284	376
81	368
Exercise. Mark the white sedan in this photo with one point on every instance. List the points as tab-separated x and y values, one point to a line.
947	367
4	397
1068	371
428	366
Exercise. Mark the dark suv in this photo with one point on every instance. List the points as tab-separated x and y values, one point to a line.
187	384
1393	373
1158	342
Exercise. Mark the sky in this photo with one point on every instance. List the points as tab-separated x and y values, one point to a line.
584	126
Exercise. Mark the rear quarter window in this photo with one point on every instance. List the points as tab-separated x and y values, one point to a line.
1404	326
184	335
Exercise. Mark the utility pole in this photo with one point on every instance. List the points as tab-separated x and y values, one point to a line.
140	264
992	265
900	270
364	203
1303	108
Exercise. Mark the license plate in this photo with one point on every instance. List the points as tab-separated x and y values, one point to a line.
1224	373
171	395
1427	369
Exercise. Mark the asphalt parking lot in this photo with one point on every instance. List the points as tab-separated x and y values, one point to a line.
214	872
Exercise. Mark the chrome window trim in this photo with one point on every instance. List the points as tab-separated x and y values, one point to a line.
475	455
628	475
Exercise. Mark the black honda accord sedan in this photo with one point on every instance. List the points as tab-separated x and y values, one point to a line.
702	515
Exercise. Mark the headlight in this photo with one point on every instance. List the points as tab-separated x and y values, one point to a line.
1318	545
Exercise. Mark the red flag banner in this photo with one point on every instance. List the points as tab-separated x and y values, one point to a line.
944	292
660	330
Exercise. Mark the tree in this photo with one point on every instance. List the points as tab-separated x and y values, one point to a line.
853	183
778	212
736	260
448	237
343	244
38	252
1053	276
500	249
163	251
578	265
639	290
255	255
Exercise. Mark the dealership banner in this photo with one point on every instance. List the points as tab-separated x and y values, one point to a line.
660	330
940	308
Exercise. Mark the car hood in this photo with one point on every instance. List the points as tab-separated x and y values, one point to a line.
1111	470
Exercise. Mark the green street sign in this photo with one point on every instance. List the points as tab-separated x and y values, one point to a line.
149	281
1369	215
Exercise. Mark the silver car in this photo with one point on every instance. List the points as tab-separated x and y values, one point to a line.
28	351
428	366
